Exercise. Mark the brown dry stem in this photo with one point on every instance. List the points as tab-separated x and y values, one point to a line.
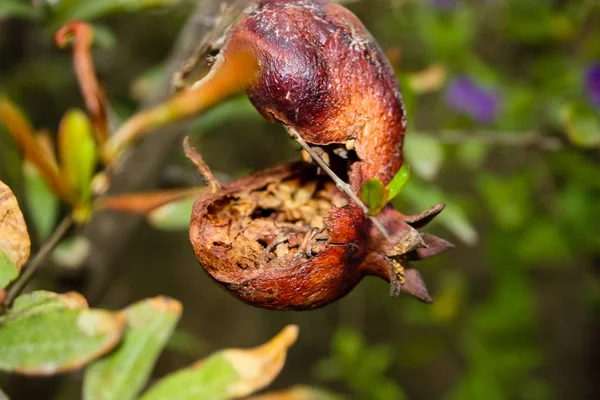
343	186
195	157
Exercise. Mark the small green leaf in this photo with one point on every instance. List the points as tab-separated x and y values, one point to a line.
42	301
454	217
208	380
8	271
425	154
71	253
77	150
17	9
93	9
186	343
123	373
472	154
374	195
582	126
104	37
508	198
14	239
398	182
228	374
238	107
57	341
543	244
172	216
42	203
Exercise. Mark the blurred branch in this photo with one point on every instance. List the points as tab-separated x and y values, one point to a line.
509	139
39	259
109	232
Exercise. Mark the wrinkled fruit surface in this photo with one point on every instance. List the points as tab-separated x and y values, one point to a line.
287	238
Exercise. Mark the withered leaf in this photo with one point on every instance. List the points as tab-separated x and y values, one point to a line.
228	374
14	239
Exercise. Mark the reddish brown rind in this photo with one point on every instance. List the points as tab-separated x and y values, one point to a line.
239	259
289	282
286	238
321	73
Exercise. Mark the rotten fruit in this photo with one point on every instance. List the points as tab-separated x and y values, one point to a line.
290	237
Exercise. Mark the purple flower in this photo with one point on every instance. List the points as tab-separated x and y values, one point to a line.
466	96
592	84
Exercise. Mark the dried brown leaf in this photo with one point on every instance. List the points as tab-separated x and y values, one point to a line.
14	239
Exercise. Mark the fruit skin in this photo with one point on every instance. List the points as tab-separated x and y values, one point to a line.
355	249
323	74
291	282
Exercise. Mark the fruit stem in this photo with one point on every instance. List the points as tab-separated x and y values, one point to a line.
195	157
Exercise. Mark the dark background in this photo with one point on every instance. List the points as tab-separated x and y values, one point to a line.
504	127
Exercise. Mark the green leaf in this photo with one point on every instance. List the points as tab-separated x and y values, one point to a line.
104	37
92	9
123	373
57	341
186	343
8	271
208	380
374	195
582	126
71	253
172	216
453	218
446	37
77	151
545	243
228	374
17	9
14	239
42	301
238	107
472	154
509	199
42	203
398	182
425	154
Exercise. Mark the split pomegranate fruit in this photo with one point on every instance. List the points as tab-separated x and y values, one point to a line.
288	237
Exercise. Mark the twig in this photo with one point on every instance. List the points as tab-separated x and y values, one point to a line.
111	232
226	17
524	139
201	166
341	185
38	260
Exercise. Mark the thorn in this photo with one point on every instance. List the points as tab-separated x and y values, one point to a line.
433	246
416	286
418	221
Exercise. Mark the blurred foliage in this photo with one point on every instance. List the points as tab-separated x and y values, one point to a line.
360	367
504	127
